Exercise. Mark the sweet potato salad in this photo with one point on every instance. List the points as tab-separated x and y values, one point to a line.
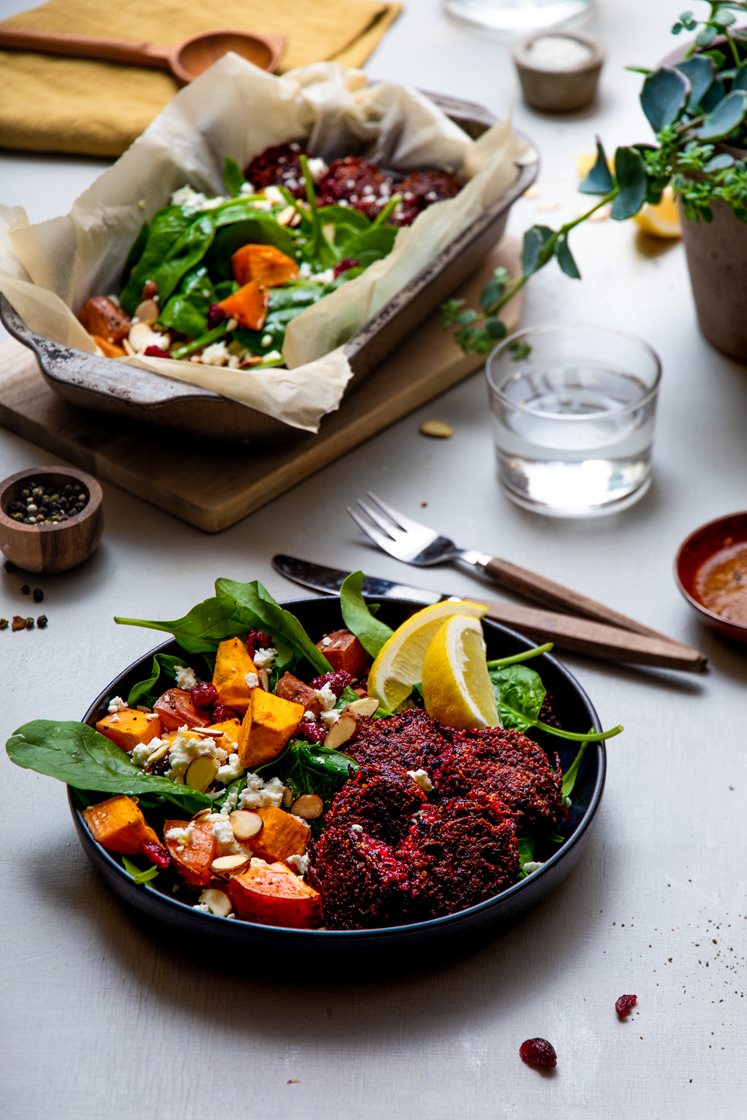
217	279
257	774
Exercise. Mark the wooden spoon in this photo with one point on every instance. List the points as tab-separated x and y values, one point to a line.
185	60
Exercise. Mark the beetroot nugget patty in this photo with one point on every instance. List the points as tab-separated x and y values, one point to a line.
363	883
411	739
506	763
381	799
459	852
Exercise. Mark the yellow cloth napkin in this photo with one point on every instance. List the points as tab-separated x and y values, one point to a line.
55	104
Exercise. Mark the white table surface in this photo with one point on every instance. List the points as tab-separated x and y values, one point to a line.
100	1019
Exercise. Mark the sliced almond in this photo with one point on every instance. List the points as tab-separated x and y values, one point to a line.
147	311
341	731
245	823
202	813
437	429
229	865
201	772
159	752
217	902
264	680
308	806
140	336
287	797
288	217
366	706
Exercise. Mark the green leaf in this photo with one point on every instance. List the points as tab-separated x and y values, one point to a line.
163	232
78	755
163	676
252	600
370	632
537	248
727	116
233	177
740	78
570	776
632	183
371	245
705	37
664	96
719	162
247	230
519	693
494	289
138	874
311	768
495	328
599	180
202	629
566	260
699	72
187	310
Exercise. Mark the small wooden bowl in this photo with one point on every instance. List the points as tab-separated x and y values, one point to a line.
716	553
50	548
557	86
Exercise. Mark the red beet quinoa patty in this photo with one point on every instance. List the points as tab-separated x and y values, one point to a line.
363	883
506	763
278	165
356	182
411	740
381	799
419	190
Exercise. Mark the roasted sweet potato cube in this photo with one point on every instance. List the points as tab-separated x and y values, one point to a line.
291	688
230	729
272	894
119	825
176	709
232	663
282	835
103	317
343	651
129	727
264	263
192	860
267	726
107	348
248	306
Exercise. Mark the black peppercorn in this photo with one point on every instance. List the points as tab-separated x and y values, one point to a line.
25	589
37	595
41	622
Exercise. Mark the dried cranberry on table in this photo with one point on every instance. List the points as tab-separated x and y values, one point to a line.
279	165
538	1052
358	183
624	1005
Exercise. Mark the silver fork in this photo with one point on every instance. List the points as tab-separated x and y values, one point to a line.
418	544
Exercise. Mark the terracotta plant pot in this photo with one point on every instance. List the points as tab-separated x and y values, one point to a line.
717	262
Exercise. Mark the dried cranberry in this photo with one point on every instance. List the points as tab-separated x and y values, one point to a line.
538	1052
624	1005
221	713
156	854
215	315
312	732
204	695
279	165
345	265
338	681
155	352
257	639
150	290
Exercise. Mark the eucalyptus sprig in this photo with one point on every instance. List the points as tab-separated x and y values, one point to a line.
697	109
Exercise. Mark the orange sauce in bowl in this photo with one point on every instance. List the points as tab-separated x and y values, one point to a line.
721	582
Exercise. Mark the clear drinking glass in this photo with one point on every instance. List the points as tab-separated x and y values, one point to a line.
573	411
517	16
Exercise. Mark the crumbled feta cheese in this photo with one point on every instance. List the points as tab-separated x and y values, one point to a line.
326	641
232	324
567	804
310	716
258	793
317	168
252	680
304	270
530	866
186	747
215	355
192	200
263	658
113	718
116	704
356	828
331	717
274	195
230	770
266	340
246	188
181	836
325	277
420	778
230	803
140	340
271	356
300	864
142	752
185	677
202	907
226	844
327	696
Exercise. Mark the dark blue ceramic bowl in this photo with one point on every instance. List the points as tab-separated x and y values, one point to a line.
394	943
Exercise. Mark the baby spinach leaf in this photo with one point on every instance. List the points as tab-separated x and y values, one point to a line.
78	755
520	694
186	311
200	630
571	774
371	633
165	228
186	252
525	845
231	235
370	245
311	768
252	599
233	177
163	676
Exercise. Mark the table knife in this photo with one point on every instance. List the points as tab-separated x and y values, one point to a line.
578	635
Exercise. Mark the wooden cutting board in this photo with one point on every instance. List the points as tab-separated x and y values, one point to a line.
162	472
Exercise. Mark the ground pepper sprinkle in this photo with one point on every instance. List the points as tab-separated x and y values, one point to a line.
39	504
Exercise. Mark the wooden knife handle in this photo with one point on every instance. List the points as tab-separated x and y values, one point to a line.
596	639
532	586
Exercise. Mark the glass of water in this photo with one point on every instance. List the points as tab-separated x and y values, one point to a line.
519	17
573	411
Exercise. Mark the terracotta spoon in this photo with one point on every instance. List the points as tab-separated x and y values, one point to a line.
185	60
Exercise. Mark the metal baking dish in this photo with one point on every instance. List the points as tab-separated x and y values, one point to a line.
105	385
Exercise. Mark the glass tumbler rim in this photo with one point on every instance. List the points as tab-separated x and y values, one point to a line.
584	328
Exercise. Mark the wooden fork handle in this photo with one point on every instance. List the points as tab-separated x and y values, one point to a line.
83	46
532	586
595	639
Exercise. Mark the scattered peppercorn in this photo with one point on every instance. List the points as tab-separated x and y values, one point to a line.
41	621
9	566
29	624
538	1052
3	624
25	589
37	595
18	623
39	504
624	1005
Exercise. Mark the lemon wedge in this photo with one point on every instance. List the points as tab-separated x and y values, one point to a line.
457	690
399	662
663	219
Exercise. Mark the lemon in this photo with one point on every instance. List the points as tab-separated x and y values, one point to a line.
456	686
663	219
399	662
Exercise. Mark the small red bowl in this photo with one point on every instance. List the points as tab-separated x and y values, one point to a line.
711	572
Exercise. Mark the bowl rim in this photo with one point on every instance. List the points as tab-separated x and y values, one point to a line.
326	936
91	508
687	547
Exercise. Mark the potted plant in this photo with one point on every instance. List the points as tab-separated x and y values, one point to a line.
696	104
